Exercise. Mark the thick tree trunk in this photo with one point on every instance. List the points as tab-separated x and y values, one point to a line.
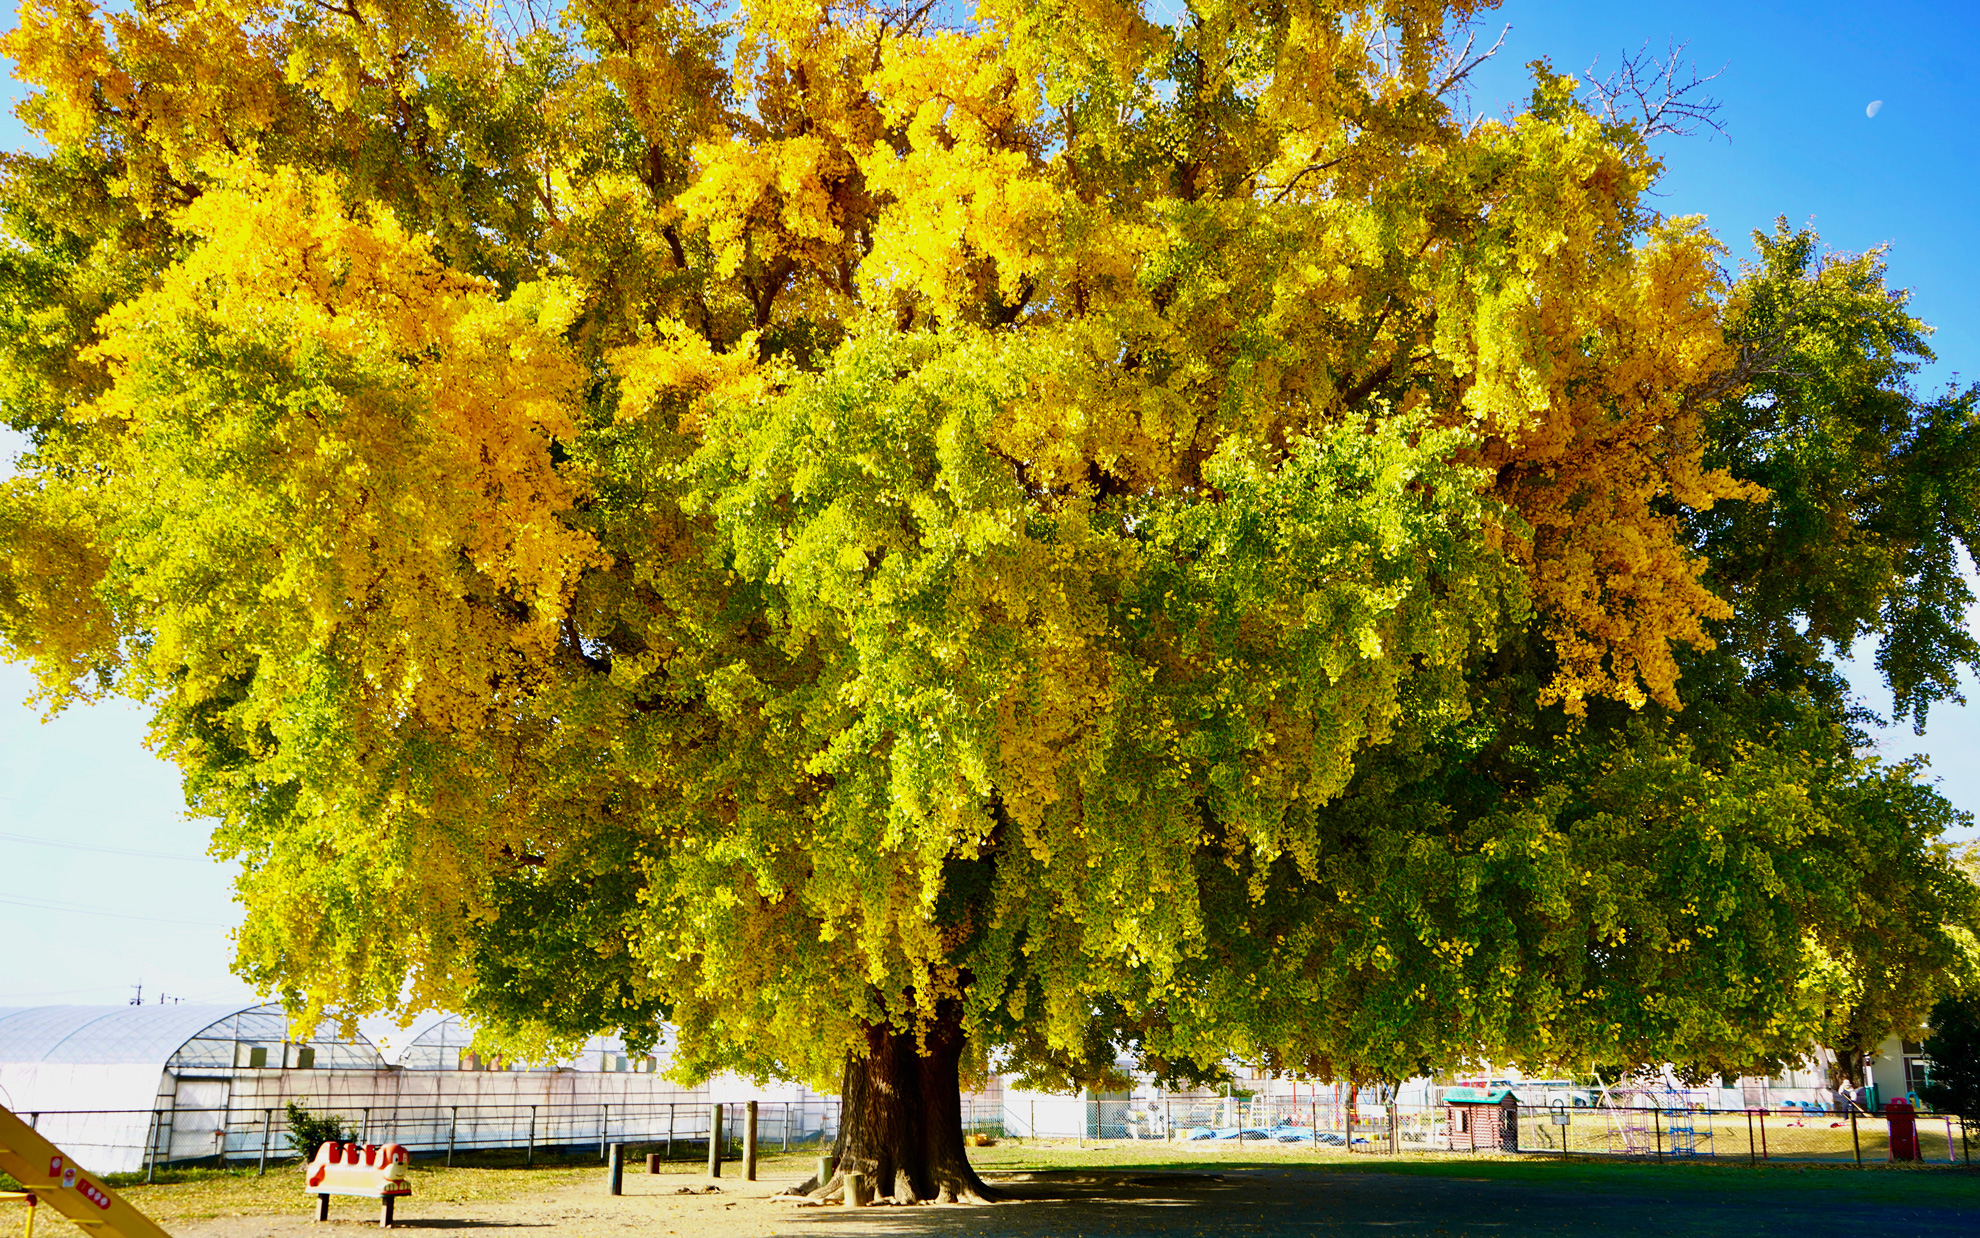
900	1120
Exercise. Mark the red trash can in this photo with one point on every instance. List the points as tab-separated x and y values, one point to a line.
1904	1130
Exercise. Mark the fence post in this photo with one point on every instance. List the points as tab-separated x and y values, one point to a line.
1395	1136
714	1141
1657	1130
529	1154
150	1145
604	1128
1763	1136
1750	1158
364	1135
749	1141
1854	1140
267	1122
670	1130
787	1126
616	1160
453	1125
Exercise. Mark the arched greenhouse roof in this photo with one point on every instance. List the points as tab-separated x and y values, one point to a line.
103	1035
440	1043
156	1035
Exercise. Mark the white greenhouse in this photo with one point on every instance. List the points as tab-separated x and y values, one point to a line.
107	1083
125	1088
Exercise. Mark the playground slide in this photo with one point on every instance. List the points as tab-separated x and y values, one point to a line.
42	1169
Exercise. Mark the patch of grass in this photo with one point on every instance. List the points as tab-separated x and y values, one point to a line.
201	1194
182	1193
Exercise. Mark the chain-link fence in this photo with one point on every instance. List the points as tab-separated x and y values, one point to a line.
1740	1135
1219	1124
682	1130
676	1130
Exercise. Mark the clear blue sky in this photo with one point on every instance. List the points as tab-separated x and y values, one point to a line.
1796	84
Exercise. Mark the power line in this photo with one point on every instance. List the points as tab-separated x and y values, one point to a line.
148	855
12	998
38	905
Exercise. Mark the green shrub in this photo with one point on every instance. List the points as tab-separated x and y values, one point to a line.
1954	1048
309	1131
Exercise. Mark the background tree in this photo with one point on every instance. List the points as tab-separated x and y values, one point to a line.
1953	1045
882	542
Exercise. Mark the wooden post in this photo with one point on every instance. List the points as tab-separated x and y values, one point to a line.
1854	1140
385	1211
322	1207
749	1141
825	1167
714	1141
855	1188
615	1159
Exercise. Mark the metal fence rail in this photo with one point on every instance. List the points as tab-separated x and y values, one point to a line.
1656	1134
682	1129
446	1129
1750	1135
236	1135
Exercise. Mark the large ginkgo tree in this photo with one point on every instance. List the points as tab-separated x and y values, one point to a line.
885	537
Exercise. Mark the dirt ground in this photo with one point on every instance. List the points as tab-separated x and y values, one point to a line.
1053	1192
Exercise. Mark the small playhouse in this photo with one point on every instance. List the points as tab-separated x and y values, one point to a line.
1482	1119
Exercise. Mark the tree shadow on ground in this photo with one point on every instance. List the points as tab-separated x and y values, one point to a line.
1281	1202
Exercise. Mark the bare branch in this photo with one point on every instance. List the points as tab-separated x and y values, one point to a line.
1648	93
1464	61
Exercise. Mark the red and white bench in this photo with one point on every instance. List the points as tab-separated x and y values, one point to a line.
370	1172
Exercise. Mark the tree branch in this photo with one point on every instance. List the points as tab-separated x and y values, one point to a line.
1646	92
